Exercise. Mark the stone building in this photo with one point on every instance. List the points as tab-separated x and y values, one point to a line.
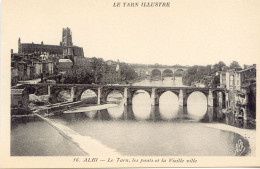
235	78
65	48
64	65
81	62
29	66
37	60
19	98
240	85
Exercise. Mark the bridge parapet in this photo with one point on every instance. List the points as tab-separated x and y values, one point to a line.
122	86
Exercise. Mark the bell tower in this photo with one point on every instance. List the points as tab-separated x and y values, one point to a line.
19	45
67	41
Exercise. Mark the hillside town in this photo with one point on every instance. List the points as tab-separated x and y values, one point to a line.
51	82
66	64
62	63
113	84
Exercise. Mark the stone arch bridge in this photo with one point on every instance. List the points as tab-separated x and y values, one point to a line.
215	96
161	71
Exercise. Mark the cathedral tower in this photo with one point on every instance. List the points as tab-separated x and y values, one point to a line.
19	45
67	41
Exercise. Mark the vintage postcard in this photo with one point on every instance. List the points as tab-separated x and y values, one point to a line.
129	83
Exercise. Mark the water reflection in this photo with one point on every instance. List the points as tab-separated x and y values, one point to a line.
168	105
141	105
197	105
89	95
115	97
91	114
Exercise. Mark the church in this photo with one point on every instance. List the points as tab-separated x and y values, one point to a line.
66	47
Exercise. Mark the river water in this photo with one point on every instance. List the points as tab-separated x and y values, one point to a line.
137	129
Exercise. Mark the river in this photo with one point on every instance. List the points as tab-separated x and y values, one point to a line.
138	129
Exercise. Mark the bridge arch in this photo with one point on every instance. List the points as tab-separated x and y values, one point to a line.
37	90
179	72
63	95
79	91
161	92
132	92
88	94
156	73
167	73
114	96
106	91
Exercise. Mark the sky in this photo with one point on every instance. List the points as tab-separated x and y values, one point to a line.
189	32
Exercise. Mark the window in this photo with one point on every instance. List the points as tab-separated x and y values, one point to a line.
231	80
224	79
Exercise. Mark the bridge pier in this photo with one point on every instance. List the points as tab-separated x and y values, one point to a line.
153	96
125	96
182	98
72	93
49	90
210	98
99	96
210	105
129	100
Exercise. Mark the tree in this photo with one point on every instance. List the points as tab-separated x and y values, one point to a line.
234	64
216	81
98	67
128	73
196	73
218	66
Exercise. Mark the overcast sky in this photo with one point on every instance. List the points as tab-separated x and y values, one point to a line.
189	32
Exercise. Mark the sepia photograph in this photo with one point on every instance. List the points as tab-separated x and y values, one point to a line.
103	83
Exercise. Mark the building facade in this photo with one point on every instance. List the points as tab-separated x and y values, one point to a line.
112	74
29	66
240	85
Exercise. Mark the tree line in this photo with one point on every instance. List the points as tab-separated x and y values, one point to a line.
97	70
196	73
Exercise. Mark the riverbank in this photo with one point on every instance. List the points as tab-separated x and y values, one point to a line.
248	134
